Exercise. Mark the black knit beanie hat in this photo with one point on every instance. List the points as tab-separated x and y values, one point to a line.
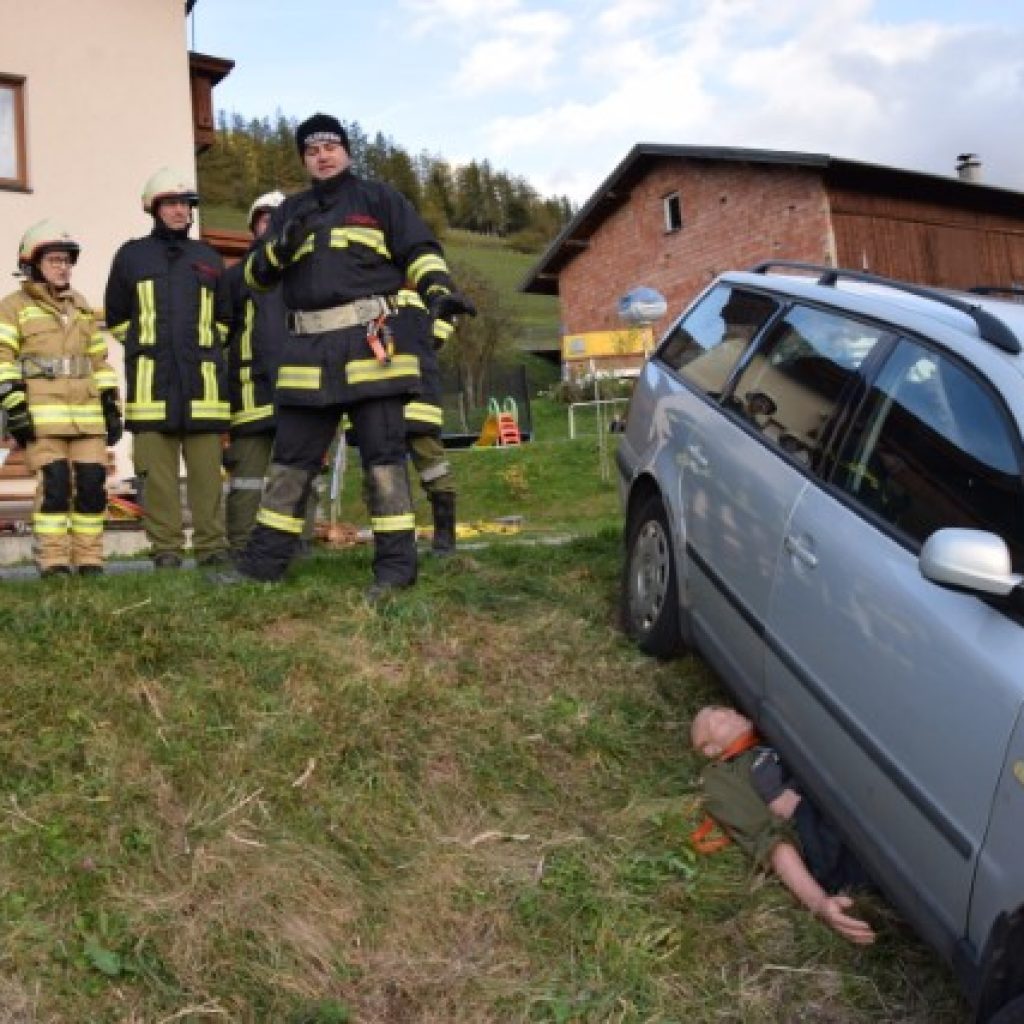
320	128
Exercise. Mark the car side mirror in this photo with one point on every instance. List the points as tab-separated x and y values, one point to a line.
972	560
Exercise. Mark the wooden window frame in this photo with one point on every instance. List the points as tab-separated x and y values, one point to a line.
672	209
19	183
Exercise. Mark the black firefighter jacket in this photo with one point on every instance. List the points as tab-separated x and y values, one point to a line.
362	239
256	347
167	302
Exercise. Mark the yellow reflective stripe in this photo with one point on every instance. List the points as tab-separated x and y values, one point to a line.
245	342
277	521
306	377
346	422
146	411
202	410
222	331
305	249
362	371
27	313
272	256
120	331
50	524
205	318
250	279
13	400
147	313
393	524
53	413
428	263
211	391
104	378
443	330
258	412
9	371
407	297
422	412
144	407
372	238
97	345
10	336
87	524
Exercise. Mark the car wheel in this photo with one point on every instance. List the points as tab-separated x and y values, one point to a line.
650	592
1011	1013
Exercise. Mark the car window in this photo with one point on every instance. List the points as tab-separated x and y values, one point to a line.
707	343
792	384
932	448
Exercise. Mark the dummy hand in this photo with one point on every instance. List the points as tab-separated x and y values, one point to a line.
833	911
19	419
111	416
446	305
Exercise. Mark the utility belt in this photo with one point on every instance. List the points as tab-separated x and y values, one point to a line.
54	367
361	312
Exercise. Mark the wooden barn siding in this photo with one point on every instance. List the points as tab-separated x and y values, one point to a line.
928	242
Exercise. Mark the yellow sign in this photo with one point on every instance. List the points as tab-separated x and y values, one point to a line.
636	341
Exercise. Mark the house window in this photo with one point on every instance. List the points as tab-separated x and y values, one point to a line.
673	212
12	132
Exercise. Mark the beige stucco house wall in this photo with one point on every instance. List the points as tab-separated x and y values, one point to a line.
107	102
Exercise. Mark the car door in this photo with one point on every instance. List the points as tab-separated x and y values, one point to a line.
893	694
725	529
744	467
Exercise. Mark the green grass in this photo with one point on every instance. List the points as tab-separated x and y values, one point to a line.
274	804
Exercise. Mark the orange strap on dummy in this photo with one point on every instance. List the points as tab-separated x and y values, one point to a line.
700	838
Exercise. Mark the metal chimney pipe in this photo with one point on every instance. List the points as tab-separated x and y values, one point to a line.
968	167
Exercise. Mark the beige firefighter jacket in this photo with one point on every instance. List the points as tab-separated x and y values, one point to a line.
53	346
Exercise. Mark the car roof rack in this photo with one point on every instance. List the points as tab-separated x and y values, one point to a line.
990	328
1015	290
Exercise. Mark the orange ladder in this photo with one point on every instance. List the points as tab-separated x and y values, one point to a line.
508	422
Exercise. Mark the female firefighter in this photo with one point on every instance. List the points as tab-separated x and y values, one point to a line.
60	396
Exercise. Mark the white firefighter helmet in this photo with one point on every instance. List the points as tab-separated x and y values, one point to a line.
267	201
46	236
165	183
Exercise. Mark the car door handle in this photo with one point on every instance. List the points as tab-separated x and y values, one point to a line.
799	551
700	460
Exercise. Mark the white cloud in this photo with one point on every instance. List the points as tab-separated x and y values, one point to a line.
520	54
622	15
793	75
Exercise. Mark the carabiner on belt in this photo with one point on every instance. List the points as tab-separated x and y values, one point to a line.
379	338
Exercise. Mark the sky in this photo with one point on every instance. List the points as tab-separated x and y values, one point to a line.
560	90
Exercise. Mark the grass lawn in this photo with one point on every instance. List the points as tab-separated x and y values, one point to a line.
275	805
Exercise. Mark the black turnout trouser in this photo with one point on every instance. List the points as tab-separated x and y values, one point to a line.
304	435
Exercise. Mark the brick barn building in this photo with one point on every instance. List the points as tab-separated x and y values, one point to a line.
673	217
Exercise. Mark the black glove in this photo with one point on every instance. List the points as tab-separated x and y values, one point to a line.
446	305
19	419
111	416
294	231
228	456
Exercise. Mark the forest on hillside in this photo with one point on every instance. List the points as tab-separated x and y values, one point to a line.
251	157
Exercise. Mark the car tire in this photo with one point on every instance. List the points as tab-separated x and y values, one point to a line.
650	589
1011	1013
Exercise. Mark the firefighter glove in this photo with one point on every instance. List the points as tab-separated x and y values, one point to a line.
294	231
446	305
19	419
111	416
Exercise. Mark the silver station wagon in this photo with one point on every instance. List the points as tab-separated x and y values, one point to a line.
823	480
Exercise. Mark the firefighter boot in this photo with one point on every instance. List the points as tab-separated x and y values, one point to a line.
443	506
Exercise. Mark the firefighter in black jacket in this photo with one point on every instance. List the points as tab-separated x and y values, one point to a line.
256	348
343	250
167	303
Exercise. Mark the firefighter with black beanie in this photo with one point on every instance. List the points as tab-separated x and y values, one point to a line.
167	302
343	250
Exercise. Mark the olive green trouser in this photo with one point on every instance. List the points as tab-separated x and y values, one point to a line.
157	462
250	459
431	463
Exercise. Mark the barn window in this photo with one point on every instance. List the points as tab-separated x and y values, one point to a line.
12	132
673	212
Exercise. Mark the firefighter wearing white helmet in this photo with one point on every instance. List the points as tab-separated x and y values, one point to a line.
167	303
256	348
60	395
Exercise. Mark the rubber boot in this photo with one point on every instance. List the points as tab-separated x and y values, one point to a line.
443	505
